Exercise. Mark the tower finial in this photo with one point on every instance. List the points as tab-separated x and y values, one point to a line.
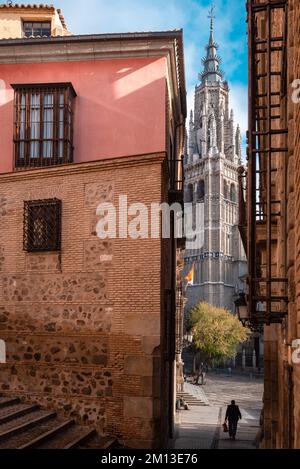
212	71
211	16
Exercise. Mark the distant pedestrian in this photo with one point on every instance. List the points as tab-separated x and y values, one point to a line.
203	371
197	377
233	415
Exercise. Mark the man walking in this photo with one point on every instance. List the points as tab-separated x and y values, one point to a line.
203	371
233	415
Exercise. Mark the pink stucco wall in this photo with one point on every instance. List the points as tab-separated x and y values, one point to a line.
119	109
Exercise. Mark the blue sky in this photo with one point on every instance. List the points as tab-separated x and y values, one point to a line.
101	16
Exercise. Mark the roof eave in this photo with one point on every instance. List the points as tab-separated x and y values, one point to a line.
175	35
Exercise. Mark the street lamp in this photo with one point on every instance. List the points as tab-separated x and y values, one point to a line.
189	337
242	308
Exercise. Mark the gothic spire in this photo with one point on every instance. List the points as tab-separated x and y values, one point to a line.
212	71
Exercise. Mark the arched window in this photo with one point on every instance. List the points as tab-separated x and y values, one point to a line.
225	190
190	193
201	190
232	193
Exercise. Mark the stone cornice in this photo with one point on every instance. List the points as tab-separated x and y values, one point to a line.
35	51
77	168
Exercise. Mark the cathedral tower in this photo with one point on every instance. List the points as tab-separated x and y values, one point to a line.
211	177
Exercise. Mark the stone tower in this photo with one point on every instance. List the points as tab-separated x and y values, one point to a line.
212	158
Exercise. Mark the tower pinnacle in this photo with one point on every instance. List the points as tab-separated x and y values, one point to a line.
212	17
212	72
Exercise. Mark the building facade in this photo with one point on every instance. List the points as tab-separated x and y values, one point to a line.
213	156
88	323
272	210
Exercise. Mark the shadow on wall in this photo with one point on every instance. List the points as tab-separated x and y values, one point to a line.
119	104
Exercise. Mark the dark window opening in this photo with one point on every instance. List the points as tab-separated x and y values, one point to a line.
225	190
201	190
43	128
233	193
190	193
42	225
37	28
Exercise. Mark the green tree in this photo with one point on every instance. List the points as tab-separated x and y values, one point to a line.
216	332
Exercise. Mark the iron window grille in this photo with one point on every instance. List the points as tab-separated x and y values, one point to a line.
42	225
37	28
43	124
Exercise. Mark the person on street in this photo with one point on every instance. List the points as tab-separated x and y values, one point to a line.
233	415
203	371
197	377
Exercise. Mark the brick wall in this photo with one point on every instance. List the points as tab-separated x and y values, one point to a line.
282	376
294	204
83	327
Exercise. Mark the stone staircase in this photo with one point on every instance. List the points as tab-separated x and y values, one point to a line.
193	396
25	426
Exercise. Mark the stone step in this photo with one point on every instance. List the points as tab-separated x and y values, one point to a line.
15	411
7	401
25	426
30	438
70	438
57	429
80	439
191	400
25	422
100	442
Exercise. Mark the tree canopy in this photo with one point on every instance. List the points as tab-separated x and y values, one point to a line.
216	332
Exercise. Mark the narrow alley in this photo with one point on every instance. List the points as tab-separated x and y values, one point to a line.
200	427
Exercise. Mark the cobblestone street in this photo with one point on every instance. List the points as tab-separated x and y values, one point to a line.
201	426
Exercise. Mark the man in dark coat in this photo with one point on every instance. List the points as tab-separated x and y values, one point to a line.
233	415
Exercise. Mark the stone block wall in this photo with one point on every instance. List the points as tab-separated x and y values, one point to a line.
83	326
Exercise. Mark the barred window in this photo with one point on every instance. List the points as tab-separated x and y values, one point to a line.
42	225
43	128
37	28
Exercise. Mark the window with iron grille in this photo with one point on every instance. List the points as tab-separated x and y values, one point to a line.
42	225
37	28
43	127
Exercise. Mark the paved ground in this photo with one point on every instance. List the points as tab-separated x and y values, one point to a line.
201	427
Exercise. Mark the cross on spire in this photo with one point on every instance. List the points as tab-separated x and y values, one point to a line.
211	16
